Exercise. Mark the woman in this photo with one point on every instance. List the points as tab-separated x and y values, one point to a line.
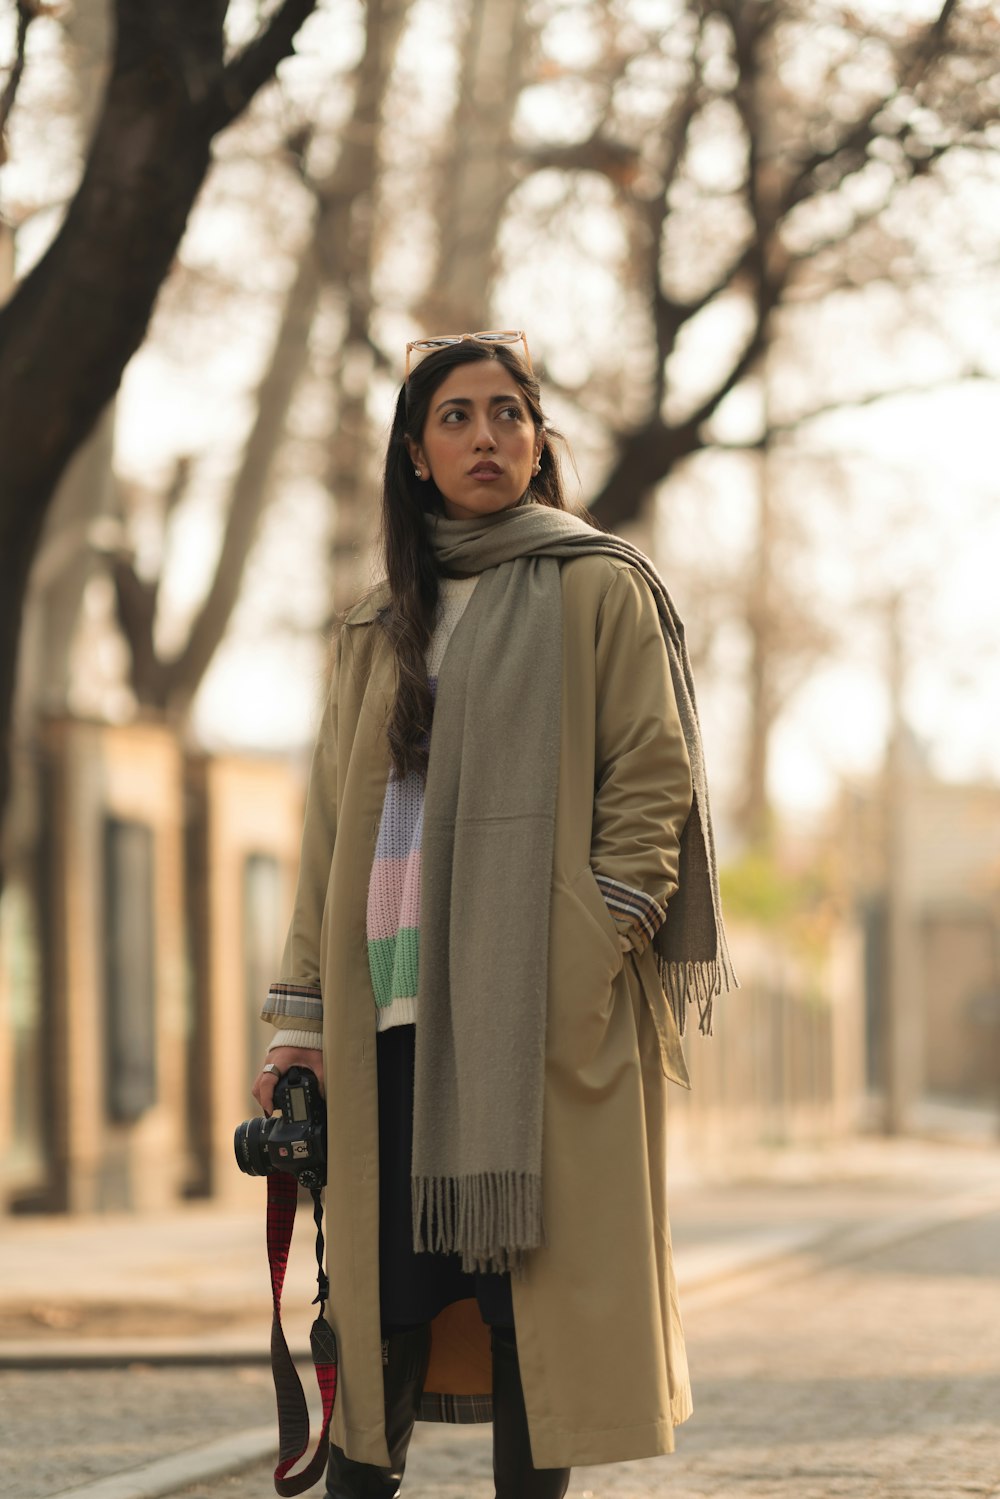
478	941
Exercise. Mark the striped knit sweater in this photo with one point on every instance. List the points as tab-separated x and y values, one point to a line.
394	884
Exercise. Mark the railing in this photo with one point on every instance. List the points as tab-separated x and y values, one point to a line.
785	1063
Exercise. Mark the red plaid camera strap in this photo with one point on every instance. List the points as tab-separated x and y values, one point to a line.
293	1414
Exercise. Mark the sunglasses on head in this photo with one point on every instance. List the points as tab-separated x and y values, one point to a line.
445	340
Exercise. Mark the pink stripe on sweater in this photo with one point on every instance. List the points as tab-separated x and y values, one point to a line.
393	896
409	912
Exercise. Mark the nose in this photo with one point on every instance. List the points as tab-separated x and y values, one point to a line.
485	441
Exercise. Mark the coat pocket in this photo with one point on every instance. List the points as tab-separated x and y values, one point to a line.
588	893
585	961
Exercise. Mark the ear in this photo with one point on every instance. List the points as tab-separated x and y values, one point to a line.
416	453
539	445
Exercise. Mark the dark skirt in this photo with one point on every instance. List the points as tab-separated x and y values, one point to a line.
415	1287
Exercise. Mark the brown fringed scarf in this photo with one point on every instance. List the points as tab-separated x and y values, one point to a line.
487	854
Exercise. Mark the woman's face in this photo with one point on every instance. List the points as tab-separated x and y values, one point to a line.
479	443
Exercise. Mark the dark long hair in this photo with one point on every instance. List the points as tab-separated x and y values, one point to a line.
411	567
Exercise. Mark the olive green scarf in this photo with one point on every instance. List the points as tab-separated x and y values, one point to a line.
487	853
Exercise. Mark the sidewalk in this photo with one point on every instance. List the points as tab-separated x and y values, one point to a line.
193	1285
95	1314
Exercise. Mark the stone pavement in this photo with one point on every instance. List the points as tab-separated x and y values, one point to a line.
843	1318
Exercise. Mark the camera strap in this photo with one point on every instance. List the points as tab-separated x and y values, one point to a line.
293	1413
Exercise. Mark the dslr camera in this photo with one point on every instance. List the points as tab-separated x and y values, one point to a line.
293	1139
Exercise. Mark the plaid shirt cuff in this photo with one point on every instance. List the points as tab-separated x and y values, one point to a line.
636	914
293	1002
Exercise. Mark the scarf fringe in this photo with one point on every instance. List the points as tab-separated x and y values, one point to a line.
697	982
465	1214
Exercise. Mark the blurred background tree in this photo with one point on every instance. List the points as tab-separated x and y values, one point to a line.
763	158
71	324
678	200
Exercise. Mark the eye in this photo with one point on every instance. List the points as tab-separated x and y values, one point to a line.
455	411
511	411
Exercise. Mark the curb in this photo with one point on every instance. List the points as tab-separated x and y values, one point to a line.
120	1353
168	1474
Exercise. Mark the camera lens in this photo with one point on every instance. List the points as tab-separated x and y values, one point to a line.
250	1144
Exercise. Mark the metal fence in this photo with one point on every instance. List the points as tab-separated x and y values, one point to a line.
785	1063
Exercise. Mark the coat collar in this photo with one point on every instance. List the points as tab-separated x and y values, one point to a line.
367	611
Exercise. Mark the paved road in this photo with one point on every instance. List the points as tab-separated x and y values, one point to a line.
878	1378
875	1377
875	1380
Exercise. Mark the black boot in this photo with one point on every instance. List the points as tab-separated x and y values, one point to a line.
513	1472
404	1364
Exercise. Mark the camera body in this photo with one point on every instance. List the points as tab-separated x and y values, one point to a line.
293	1138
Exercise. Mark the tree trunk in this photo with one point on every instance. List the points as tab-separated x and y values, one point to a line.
348	222
66	561
481	170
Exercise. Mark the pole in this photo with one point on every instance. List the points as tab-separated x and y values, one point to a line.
902	1029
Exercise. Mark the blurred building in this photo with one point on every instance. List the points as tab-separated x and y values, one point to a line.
931	917
136	952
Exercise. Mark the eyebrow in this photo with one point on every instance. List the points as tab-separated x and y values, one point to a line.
465	401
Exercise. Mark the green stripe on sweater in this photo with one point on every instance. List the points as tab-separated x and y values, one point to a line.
394	964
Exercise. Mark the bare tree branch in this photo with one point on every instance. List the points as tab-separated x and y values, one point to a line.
669	316
734	272
799	294
26	13
792	424
688	436
137	598
172	684
851	148
135	608
599	153
246	73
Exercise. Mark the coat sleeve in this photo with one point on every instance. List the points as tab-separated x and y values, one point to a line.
643	777
295	1000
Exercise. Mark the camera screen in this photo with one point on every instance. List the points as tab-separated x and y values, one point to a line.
298	1100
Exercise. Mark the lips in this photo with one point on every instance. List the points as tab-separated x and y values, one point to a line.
486	468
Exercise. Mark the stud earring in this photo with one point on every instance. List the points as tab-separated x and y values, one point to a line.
418	473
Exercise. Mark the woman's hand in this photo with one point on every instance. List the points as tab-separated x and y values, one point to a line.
284	1057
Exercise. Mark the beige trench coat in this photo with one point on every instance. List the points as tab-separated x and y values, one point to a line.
598	1327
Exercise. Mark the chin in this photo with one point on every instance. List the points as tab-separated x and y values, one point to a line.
470	507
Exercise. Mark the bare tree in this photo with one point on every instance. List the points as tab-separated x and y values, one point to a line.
769	176
334	264
799	150
72	324
168	683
